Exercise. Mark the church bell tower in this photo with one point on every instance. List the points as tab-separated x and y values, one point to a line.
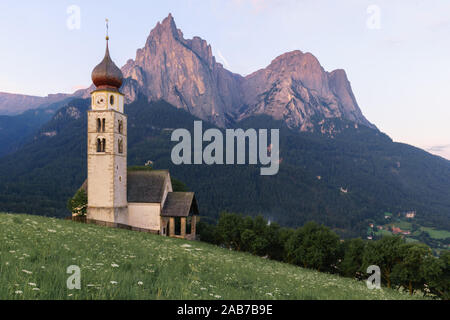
107	146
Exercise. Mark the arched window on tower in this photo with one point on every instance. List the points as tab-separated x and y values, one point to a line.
104	145
120	126
103	124
99	145
99	124
120	144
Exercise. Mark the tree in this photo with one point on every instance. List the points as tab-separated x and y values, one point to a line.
384	253
261	241
351	265
284	235
207	232
294	249
275	246
248	238
437	275
416	261
229	229
78	204
178	186
313	246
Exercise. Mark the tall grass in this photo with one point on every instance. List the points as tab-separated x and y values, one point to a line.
35	253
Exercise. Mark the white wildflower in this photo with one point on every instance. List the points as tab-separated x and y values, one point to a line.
140	283
32	284
18	292
114	265
113	282
27	272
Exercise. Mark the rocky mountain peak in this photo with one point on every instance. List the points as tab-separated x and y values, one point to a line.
299	66
164	31
183	72
294	87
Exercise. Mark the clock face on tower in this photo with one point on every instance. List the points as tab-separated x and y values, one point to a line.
100	100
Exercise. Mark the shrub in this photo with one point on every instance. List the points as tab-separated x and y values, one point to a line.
78	204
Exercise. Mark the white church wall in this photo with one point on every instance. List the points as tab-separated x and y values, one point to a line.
100	184
144	215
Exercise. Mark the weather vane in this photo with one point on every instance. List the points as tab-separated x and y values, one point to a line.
107	29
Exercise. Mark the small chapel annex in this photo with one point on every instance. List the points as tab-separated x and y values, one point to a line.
136	200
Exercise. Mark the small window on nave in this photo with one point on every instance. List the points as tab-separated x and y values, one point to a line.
111	100
120	126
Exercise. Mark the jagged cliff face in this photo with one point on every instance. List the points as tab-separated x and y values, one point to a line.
184	73
294	87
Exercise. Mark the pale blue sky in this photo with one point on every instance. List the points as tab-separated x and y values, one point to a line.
400	73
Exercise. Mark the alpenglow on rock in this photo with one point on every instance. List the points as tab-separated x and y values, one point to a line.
293	88
185	74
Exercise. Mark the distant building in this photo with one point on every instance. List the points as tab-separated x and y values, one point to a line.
410	214
397	230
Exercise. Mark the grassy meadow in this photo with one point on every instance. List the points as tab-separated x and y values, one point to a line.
35	253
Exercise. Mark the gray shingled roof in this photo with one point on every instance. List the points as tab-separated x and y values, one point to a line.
147	186
144	186
180	204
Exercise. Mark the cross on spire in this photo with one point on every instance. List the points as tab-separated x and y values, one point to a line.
107	29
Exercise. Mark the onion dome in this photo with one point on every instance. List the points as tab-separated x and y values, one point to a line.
107	74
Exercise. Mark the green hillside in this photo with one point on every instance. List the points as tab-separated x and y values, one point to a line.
118	264
378	174
16	130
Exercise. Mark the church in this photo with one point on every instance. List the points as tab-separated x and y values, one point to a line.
136	200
